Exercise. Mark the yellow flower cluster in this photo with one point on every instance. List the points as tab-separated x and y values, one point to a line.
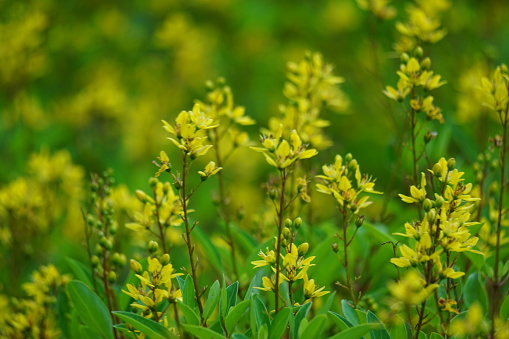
443	232
346	183
280	152
496	89
415	74
423	24
163	208
380	8
155	286
295	266
35	316
190	131
311	87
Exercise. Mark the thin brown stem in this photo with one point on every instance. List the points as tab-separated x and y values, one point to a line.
344	214
280	222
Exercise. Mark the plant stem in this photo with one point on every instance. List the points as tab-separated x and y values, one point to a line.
160	227
280	222
344	214
496	278
189	229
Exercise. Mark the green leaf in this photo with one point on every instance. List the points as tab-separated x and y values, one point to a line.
400	331
474	292
349	312
191	317
278	326
380	333
236	314
202	332
80	271
301	314
422	335
339	320
212	300
476	258
504	309
90	308
376	232
260	312
356	332
361	315
315	327
255	282
223	309
63	309
239	336
435	336
231	293
263	333
210	250
188	293
147	326
327	305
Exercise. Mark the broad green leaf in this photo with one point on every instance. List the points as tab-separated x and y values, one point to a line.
400	331
315	327
255	282
361	315
339	320
301	314
504	309
239	336
212	300
263	333
191	317
349	312
236	314
81	272
122	328
210	250
356	332
435	336
475	258
188	293
260	312
231	293
422	335
380	333
474	291
63	309
278	326
376	232
147	326
328	303
202	332
90	308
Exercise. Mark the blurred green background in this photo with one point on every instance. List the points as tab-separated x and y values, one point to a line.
95	78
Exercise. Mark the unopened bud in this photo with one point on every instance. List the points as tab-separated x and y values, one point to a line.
426	63
348	157
439	202
94	261
153	183
152	246
427	205
335	247
297	223
303	248
166	187
359	221
451	163
418	51
135	266
116	259
404	57
432	216
142	196
437	170
165	259
272	193
112	277
288	223
286	232
99	225
494	164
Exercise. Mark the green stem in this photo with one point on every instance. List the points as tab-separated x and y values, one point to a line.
280	222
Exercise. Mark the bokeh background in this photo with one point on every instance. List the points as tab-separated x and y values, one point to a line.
84	86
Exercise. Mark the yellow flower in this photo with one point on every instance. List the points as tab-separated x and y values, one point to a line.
310	289
210	170
268	258
411	289
417	194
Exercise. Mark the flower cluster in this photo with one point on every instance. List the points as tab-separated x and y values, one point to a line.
443	232
423	24
380	8
346	183
155	286
280	152
310	88
496	89
190	131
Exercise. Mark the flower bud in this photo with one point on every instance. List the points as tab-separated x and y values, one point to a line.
404	57
116	259
90	220
142	196
165	259
418	51
451	163
272	193
152	246
348	158
166	188
439	202
427	205
297	223
153	183
335	247
286	232
112	277
359	221
426	63
288	223
99	225
494	164
432	216
135	266
94	261
437	170
303	248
